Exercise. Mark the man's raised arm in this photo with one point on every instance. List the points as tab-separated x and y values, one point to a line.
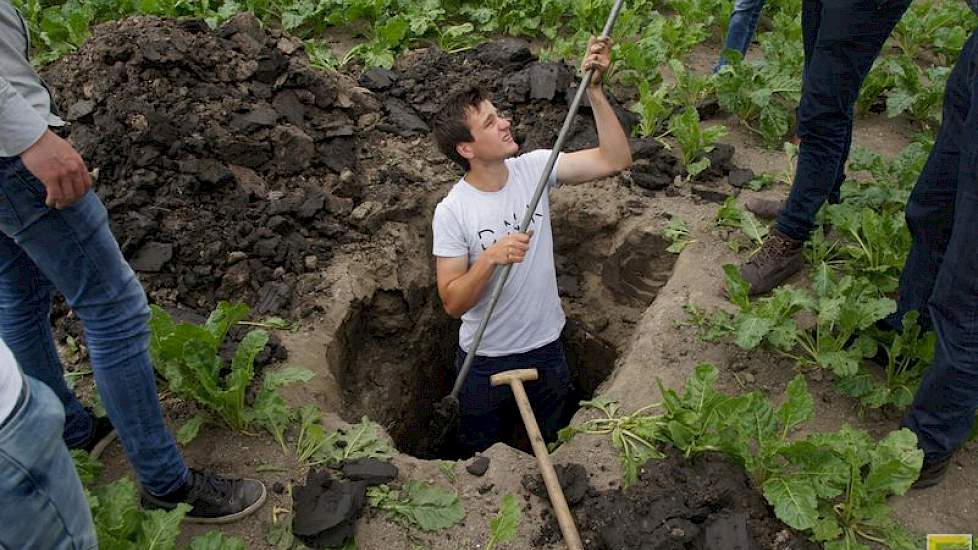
612	155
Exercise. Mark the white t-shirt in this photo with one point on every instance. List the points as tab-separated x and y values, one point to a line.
11	381
468	221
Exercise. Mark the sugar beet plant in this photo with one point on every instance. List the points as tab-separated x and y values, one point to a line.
188	357
829	327
832	486
694	140
121	524
830	324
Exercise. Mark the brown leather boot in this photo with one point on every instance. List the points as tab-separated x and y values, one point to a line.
779	258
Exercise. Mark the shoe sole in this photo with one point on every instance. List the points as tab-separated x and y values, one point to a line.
232	517
103	444
925	484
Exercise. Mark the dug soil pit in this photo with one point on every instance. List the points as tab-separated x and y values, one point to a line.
232	170
397	346
707	503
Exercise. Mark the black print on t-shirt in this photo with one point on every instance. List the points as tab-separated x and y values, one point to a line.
487	237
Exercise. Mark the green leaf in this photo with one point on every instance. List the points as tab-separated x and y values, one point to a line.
216	540
426	506
694	168
819	465
279	536
700	387
799	407
361	440
116	513
826	528
784	336
737	288
188	432
794	501
895	464
678	232
823	280
393	32
87	467
841	363
286	376
754	229
677	247
502	528
159	529
751	330
223	318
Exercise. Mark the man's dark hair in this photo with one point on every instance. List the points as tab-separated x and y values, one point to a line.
449	126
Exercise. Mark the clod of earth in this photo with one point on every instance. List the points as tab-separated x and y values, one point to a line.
573	480
325	510
369	470
740	177
721	163
478	466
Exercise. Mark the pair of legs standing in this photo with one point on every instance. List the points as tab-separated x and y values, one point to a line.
489	414
73	251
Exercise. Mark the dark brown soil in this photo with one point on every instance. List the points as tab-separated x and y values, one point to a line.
219	155
707	503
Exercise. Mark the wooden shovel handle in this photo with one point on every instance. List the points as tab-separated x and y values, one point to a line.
557	500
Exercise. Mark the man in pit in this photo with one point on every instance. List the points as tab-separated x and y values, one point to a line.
476	228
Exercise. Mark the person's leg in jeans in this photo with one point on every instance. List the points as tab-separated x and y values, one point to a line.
841	39
548	394
930	208
848	39
42	504
75	250
741	27
484	408
25	325
943	410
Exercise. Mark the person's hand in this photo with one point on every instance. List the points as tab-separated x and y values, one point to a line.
511	249
598	58
60	168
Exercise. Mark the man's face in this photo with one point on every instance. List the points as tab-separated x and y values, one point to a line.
491	135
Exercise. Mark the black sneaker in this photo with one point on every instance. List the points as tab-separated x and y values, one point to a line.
214	499
102	435
931	473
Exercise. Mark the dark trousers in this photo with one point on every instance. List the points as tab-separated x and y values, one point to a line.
941	273
489	414
841	39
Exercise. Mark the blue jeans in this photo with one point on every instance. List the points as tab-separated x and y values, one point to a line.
489	414
941	273
42	504
742	25
841	40
73	250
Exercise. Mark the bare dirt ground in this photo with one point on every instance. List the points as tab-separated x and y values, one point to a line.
373	331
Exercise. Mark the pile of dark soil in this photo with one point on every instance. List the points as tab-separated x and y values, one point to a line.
221	155
704	504
534	94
